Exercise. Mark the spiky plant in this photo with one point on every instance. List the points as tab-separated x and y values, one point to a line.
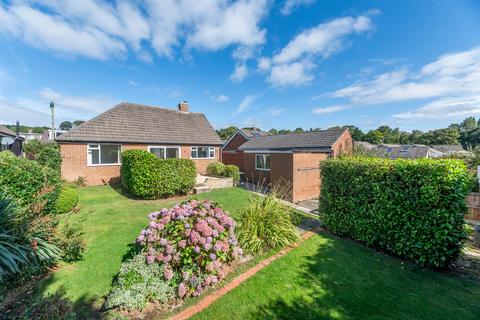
265	224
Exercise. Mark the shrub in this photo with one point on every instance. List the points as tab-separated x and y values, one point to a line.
33	187
69	240
193	241
413	209
215	169
138	283
50	157
232	171
265	224
67	200
148	177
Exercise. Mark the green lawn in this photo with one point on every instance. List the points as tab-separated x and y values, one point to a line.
111	222
331	278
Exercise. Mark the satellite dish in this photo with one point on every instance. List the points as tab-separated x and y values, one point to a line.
6	140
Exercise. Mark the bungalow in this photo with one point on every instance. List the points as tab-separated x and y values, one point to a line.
230	152
92	150
293	160
10	140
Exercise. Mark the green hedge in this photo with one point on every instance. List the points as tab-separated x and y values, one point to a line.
215	168
233	171
413	209
148	177
67	200
33	187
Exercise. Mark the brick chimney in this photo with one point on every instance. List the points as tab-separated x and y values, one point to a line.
183	106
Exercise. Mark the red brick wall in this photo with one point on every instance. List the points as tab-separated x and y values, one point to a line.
306	175
231	154
251	174
236	142
344	145
74	163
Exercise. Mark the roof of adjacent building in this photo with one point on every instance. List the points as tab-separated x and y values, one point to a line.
135	123
448	148
252	133
7	132
321	140
413	151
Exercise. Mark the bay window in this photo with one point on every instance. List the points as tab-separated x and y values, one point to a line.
262	162
202	152
103	154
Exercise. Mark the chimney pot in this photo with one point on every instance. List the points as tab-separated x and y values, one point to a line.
183	106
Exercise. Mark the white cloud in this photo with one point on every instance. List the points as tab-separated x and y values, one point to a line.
330	109
220	98
35	109
290	5
274	111
240	72
102	30
319	42
293	74
246	103
132	83
450	82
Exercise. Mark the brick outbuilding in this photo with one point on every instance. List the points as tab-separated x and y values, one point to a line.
93	149
290	162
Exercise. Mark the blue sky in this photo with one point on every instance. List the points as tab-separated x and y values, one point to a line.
282	64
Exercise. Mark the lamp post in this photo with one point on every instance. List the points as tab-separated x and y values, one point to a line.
52	109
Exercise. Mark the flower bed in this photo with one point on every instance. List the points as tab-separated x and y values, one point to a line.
193	242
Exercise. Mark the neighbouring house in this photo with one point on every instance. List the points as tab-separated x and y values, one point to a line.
230	152
10	140
407	151
291	161
92	150
30	135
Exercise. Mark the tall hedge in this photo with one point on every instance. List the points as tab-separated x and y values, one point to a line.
33	187
413	209
148	177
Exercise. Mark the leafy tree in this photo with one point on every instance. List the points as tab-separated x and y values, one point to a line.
66	125
76	123
374	137
226	133
356	133
273	131
284	131
298	130
469	123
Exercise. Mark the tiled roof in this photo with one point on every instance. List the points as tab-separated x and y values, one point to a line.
449	148
134	123
253	133
307	140
7	132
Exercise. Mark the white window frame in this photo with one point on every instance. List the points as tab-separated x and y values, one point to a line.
89	155
165	150
208	152
264	155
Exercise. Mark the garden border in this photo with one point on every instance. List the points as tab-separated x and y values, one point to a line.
214	296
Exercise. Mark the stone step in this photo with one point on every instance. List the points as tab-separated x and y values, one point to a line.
201	188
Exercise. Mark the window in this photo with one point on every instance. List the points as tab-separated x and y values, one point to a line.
103	154
165	152
262	162
202	152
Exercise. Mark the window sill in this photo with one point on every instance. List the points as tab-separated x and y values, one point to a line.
203	158
262	169
104	165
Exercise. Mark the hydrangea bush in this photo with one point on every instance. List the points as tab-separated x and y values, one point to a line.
193	241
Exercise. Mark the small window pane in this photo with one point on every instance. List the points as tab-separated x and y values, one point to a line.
212	152
202	152
267	161
193	152
172	152
109	154
95	156
159	152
